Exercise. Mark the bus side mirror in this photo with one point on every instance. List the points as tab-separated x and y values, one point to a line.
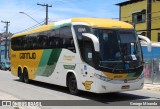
149	43
94	39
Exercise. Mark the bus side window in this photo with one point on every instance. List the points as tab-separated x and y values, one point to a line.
44	44
67	38
57	43
24	43
39	41
57	33
88	52
51	42
43	39
30	42
34	41
51	37
56	39
14	43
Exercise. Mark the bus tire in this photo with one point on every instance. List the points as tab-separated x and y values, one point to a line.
20	75
72	85
25	74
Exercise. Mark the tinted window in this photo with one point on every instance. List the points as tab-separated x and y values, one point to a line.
85	43
127	37
66	39
158	37
59	38
80	29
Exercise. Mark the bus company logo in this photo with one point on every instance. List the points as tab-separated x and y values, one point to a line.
69	58
81	29
87	84
27	55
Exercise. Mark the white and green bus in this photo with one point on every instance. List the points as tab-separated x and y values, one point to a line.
89	54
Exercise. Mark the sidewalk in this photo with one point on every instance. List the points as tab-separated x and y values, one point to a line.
153	87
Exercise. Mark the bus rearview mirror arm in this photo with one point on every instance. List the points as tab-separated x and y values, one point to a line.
149	43
94	39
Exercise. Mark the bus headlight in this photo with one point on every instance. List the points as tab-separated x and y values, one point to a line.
97	76
141	76
103	78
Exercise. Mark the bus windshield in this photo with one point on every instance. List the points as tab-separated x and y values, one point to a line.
119	49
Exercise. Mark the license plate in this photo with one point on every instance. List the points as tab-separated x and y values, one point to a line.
125	87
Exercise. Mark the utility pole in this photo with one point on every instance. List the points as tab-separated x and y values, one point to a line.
7	24
46	5
149	16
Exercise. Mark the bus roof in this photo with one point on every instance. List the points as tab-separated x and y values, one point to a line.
35	30
94	22
104	23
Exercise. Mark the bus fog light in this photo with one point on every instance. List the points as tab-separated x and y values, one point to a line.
102	77
142	84
106	79
97	76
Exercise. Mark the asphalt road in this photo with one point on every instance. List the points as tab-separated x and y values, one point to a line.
41	91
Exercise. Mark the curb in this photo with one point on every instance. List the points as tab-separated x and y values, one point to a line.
151	87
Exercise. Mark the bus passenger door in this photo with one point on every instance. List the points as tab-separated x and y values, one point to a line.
87	70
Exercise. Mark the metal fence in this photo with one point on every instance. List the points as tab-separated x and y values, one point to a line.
152	69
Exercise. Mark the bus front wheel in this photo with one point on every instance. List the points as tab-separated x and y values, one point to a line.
72	84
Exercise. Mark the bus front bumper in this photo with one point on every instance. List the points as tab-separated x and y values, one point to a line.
118	86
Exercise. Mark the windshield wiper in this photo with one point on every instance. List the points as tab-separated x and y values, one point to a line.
128	62
122	56
137	62
115	67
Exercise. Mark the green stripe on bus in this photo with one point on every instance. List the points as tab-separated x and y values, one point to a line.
43	62
48	62
130	75
71	67
133	75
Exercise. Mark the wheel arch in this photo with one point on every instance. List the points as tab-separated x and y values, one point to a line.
69	73
25	67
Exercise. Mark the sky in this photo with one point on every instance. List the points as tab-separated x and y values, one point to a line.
60	10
